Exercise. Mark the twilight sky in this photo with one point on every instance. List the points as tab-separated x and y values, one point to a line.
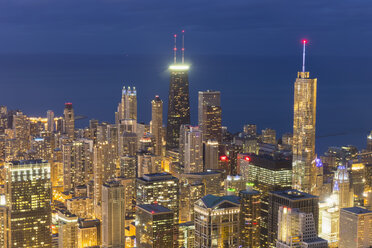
253	27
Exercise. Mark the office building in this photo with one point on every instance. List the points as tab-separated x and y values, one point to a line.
154	226
355	228
191	149
303	146
50	121
268	136
297	229
157	124
189	194
250	217
234	184
113	215
128	166
212	181
217	221
127	108
292	199
210	115
69	121
89	232
68	230
178	103
211	155
250	130
159	188
28	198
148	163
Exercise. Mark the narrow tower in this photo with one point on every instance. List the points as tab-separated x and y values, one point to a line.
157	124
179	103
69	118
304	116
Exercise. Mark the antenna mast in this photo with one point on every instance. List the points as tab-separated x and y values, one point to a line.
175	49
183	46
303	55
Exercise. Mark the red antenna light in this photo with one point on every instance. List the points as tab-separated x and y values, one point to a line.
223	158
246	158
304	41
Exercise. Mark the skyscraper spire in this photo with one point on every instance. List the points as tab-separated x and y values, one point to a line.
183	46
175	49
303	55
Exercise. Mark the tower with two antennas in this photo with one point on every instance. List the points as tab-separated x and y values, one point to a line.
178	99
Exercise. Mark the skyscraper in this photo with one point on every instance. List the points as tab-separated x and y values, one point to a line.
191	149
217	221
69	118
303	148
154	226
28	198
127	109
292	199
50	120
178	103
113	215
355	228
297	229
68	230
157	124
210	115
211	155
249	217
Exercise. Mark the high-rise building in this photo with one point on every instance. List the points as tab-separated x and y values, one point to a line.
297	229
211	155
268	136
210	115
89	231
157	124
355	228
250	130
127	109
50	121
212	181
77	163
292	199
69	120
128	167
68	230
113	215
217	221
154	226
249	217
342	189
189	194
303	147
191	149
234	184
148	163
159	188
178	103
22	135
369	142
28	198
4	223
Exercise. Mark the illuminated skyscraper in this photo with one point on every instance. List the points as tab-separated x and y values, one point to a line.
268	136
157	124
210	115
303	148
113	215
297	229
355	228
249	217
178	103
127	109
159	188
292	199
89	233
211	155
217	221
68	230
154	226
28	198
69	118
191	149
22	134
50	120
4	223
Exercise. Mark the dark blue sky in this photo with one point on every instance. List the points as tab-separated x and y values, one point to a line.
84	51
255	27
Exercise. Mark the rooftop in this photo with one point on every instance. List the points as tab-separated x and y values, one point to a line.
293	194
179	67
154	208
357	210
156	177
211	200
266	161
34	161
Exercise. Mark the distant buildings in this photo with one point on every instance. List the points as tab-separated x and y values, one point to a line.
69	120
210	115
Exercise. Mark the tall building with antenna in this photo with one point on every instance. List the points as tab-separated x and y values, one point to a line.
303	148
179	102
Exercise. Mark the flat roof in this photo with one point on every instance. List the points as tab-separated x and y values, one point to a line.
154	208
293	194
357	210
